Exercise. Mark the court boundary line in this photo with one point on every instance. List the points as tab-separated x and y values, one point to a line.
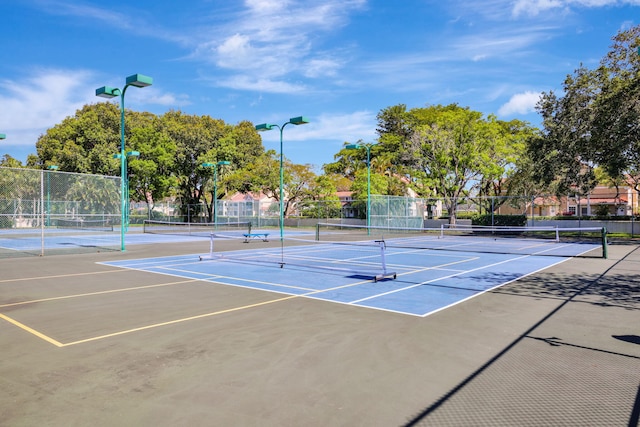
212	279
31	330
58	276
88	294
50	340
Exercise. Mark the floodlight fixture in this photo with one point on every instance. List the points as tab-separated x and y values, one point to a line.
107	92
137	80
300	120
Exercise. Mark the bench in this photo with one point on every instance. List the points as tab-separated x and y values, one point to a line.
250	236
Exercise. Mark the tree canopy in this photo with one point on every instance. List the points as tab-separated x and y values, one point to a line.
595	122
446	151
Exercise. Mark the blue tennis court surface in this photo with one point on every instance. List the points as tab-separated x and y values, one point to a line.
426	280
29	240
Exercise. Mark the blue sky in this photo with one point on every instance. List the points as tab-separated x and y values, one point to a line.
337	62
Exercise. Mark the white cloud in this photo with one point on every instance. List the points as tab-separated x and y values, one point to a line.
102	15
246	82
521	103
326	133
535	7
272	39
154	96
332	127
45	98
33	104
321	67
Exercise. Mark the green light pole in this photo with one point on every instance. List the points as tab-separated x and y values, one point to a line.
137	80
49	168
215	185
368	148
265	127
127	200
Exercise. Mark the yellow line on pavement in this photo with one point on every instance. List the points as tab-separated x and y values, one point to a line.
111	291
31	331
172	322
24	279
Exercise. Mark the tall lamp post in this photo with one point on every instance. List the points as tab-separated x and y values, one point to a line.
368	148
137	80
215	185
268	126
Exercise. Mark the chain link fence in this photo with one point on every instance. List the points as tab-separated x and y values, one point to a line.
603	205
45	212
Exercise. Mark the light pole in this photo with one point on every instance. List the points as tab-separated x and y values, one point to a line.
215	185
127	155
125	187
265	127
50	168
368	148
137	80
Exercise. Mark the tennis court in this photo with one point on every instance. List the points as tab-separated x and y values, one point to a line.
401	279
173	333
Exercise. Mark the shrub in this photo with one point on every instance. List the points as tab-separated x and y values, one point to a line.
499	220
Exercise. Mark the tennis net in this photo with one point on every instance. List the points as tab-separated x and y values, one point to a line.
361	259
549	241
195	229
84	224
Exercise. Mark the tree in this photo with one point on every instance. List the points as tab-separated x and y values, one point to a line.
263	176
240	146
562	152
150	175
616	121
448	149
379	185
202	139
506	176
322	200
350	163
10	162
596	122
86	142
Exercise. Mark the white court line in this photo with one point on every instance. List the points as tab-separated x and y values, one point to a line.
448	277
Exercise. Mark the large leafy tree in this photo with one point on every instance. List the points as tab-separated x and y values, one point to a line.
562	152
263	176
202	139
240	146
322	200
172	149
616	120
85	142
446	150
194	137
151	175
595	122
352	164
10	162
